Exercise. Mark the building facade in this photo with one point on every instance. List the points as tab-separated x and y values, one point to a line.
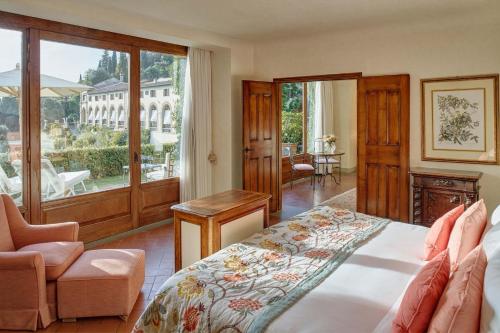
107	105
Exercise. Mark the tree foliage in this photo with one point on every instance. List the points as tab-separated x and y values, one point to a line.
291	127
153	66
291	97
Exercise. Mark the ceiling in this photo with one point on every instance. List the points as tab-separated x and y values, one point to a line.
267	19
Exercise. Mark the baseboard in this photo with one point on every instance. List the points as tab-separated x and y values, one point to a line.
155	225
348	170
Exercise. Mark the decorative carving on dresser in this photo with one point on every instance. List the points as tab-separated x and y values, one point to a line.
436	191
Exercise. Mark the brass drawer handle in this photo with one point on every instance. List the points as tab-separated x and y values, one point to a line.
455	199
443	182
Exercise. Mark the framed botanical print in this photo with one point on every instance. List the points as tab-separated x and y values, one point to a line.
460	119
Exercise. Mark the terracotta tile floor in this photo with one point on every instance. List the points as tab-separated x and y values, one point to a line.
159	246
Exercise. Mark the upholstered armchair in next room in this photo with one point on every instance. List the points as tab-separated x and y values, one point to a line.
32	257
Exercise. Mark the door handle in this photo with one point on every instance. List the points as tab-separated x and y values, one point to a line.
246	150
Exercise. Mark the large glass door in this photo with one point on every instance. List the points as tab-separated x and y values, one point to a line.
71	144
80	152
12	143
162	85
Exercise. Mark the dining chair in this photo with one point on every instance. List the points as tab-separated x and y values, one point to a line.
307	169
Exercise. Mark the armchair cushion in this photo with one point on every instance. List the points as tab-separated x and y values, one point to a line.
58	256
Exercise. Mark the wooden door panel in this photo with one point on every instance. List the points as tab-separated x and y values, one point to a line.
260	139
383	146
393	173
393	118
371	188
253	119
267	119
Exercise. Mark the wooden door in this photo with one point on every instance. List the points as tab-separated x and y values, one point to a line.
383	146
260	143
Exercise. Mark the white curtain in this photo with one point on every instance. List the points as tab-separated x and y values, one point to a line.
196	134
323	110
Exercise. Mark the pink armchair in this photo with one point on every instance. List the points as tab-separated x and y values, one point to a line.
32	257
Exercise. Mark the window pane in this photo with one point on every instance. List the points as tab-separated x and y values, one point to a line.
11	152
292	118
160	114
84	134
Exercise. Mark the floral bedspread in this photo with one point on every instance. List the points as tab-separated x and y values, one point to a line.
243	287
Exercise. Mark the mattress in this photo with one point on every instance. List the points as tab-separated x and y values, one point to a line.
364	293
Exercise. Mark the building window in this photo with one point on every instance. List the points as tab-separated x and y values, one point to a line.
167	119
147	92
112	96
84	97
152	93
103	97
166	92
121	95
153	117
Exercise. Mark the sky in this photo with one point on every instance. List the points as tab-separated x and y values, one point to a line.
64	61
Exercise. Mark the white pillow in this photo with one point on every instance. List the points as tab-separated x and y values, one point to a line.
495	217
490	309
491	240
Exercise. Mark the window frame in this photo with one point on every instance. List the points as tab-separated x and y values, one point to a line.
33	31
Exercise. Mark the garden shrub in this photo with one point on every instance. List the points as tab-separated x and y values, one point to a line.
102	162
291	127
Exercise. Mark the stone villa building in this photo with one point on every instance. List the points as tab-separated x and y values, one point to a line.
107	105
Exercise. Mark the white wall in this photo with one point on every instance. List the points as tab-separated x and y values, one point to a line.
423	51
232	62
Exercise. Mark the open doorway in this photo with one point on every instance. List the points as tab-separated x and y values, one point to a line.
376	116
318	143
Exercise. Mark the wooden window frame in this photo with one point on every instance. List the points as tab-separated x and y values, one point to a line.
33	31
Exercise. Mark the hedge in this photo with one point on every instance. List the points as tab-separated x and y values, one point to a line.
291	127
102	162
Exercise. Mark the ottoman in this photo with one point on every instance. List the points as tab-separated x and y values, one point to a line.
101	283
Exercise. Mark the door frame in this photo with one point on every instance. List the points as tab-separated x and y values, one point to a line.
297	79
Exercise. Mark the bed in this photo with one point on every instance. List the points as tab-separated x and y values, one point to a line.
358	288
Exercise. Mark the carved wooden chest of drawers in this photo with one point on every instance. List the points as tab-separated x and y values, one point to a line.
436	191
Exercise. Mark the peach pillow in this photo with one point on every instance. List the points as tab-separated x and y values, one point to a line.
459	308
422	296
437	237
467	232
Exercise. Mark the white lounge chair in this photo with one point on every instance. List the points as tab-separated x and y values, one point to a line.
12	186
166	170
58	185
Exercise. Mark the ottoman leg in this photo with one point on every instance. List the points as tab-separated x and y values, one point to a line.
68	320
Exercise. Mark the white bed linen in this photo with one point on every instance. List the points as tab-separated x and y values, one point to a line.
364	293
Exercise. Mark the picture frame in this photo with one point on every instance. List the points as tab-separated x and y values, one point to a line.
460	119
